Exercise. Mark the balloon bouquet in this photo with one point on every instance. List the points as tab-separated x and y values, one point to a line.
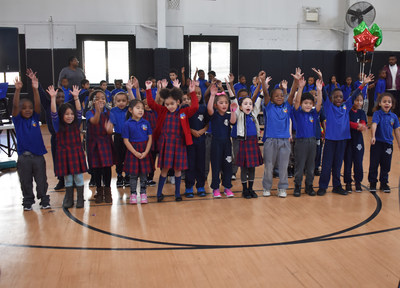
366	40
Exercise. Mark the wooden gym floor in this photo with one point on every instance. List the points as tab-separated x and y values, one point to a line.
330	241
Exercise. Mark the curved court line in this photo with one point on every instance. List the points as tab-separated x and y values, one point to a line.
306	240
199	248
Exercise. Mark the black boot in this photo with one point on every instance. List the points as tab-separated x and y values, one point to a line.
69	197
60	184
80	200
310	190
245	192
297	190
251	191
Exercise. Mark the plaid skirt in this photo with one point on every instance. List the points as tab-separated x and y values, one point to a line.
100	151
249	154
136	166
70	161
172	153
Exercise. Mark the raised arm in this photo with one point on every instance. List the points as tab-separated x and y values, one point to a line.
195	74
96	117
234	107
296	78
319	95
210	104
36	96
18	86
192	109
365	81
230	83
53	94
129	86
297	100
256	91
75	93
183	76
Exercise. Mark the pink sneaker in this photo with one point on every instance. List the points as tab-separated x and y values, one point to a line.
133	199
143	198
228	193
216	193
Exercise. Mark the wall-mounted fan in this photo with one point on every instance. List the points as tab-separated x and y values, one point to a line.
358	12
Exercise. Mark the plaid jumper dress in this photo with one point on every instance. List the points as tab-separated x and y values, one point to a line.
99	143
70	158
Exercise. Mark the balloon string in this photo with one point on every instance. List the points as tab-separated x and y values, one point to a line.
372	61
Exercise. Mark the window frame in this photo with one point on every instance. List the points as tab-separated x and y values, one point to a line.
131	39
233	40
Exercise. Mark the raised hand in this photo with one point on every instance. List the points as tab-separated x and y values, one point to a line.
297	75
302	83
30	73
183	70
318	72
197	83
129	84
148	84
269	78
135	82
176	83
108	126
219	84
368	79
159	85
213	90
35	81
231	77
262	75
164	83
319	84
75	91
52	92
192	85
284	84
18	83
234	107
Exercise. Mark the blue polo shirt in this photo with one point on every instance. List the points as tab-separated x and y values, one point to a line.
67	95
253	89
220	125
108	95
251	129
277	121
239	86
356	117
29	136
337	118
119	118
305	122
198	121
137	131
330	87
364	91
202	85
347	91
308	88
386	123
380	87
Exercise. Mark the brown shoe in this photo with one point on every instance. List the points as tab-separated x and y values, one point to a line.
99	195
107	195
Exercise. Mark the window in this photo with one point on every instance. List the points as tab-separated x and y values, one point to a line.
106	57
8	77
212	53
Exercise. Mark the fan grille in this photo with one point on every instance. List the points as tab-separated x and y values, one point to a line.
358	12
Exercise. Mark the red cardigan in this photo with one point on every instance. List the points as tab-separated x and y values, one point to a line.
184	115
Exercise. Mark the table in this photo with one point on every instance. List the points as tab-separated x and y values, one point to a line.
11	146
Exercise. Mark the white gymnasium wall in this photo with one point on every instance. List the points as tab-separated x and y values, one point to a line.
262	24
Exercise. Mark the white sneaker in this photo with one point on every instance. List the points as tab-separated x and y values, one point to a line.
172	180
282	193
266	193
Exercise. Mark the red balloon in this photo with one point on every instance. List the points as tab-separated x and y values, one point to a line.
365	41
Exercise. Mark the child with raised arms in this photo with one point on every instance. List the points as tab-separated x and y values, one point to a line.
31	163
100	145
306	116
70	159
221	146
172	134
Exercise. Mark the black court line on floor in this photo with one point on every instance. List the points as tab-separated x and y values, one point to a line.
185	246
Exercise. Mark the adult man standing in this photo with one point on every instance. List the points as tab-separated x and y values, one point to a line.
72	72
393	81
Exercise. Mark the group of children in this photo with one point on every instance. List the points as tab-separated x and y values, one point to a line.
176	125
